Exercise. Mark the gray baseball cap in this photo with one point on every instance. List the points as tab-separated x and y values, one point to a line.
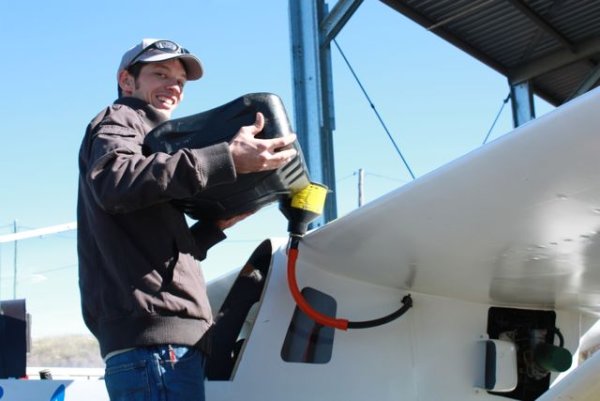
152	50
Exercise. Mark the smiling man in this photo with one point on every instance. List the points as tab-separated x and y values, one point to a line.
143	294
161	83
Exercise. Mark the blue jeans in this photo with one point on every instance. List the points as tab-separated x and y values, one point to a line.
158	373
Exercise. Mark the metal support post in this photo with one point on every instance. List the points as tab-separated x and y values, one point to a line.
521	96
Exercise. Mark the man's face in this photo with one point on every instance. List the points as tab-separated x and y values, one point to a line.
161	85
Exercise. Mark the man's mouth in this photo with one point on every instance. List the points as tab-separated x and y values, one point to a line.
166	100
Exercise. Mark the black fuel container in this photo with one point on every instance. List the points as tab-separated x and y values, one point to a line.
251	191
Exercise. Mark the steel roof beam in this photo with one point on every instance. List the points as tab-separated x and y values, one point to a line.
587	84
543	24
402	8
553	61
337	18
313	89
312	28
462	13
523	108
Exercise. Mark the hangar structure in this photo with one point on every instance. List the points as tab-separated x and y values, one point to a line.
547	48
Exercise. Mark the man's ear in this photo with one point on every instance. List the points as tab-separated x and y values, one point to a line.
126	82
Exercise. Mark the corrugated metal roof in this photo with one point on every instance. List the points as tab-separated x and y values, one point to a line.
555	44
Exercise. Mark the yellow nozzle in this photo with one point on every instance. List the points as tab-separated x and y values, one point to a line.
310	198
304	206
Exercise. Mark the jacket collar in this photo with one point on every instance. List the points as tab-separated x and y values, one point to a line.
147	110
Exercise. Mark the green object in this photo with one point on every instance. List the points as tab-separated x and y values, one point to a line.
552	358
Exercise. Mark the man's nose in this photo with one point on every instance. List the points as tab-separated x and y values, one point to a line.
174	85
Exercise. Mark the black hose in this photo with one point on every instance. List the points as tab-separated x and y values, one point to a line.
328	321
561	339
294	241
408	303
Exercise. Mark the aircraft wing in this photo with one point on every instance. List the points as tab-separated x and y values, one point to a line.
498	247
513	222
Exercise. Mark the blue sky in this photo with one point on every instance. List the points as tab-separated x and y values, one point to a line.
59	66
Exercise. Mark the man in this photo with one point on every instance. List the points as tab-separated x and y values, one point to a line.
143	294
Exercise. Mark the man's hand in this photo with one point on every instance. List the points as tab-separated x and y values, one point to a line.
226	223
251	154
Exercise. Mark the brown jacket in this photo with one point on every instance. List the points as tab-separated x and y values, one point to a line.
139	277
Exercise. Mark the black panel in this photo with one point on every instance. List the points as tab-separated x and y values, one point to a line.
306	340
524	327
13	339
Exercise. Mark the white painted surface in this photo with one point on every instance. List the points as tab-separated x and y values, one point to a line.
512	224
430	353
515	222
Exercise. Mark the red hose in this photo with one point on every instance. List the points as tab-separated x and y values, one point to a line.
304	306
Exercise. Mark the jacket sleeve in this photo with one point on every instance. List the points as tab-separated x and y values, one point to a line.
206	235
123	179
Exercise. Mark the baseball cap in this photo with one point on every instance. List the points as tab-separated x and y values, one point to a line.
152	50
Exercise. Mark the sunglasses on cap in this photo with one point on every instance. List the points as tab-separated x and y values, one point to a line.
165	46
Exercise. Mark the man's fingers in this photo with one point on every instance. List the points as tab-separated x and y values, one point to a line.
253	154
279	159
259	123
278	143
279	154
230	222
285	155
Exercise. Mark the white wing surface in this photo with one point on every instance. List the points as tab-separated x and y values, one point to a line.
513	222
